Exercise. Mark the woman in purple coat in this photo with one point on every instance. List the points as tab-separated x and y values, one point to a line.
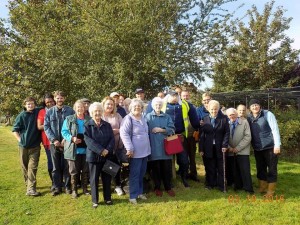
135	137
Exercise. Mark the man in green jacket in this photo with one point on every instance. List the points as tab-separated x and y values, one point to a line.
29	137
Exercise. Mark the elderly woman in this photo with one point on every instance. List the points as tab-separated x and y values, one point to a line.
75	147
160	126
266	144
239	151
111	116
100	141
134	134
213	143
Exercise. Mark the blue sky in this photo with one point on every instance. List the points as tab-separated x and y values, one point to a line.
292	8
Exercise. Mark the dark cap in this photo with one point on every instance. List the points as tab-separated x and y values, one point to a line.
254	101
139	90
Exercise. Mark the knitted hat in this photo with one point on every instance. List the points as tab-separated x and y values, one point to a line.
254	101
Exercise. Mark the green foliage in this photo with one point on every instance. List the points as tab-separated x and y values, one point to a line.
91	48
260	55
289	127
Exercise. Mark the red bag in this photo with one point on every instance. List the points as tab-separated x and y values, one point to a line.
173	144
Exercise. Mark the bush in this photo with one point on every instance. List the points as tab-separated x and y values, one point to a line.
289	127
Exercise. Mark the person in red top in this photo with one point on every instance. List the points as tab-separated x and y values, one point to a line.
48	103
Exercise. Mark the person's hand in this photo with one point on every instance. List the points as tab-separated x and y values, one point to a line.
156	130
129	153
276	151
224	149
76	140
56	143
104	153
201	122
201	153
116	131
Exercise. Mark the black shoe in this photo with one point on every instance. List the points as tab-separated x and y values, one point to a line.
194	178
109	202
56	191
185	183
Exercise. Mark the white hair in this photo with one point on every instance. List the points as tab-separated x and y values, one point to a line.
94	106
156	100
230	111
213	103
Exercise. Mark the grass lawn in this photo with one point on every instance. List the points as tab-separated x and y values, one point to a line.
195	205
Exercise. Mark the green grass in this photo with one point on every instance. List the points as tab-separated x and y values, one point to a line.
190	206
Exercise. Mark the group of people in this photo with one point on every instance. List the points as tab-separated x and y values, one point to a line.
78	141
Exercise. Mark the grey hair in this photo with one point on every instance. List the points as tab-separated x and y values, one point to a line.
213	103
230	111
155	101
78	102
95	105
134	102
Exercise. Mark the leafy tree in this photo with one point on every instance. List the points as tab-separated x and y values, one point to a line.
91	48
260	55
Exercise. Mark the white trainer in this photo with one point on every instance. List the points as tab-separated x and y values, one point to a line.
143	197
119	191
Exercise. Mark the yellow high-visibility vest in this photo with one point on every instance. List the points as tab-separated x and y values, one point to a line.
185	110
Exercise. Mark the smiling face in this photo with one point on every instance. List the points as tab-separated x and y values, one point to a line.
97	113
49	102
79	109
108	106
255	109
173	99
157	107
30	105
140	96
136	109
241	110
232	116
59	100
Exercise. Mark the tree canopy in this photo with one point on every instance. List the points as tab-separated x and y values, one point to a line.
91	48
260	54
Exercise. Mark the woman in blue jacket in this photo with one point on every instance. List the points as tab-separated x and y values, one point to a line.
160	125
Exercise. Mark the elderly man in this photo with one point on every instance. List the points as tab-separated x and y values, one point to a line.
266	144
241	111
54	119
239	150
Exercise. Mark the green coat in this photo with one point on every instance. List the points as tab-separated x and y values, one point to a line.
70	127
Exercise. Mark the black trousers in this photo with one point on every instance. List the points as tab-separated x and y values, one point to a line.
239	173
191	150
266	165
183	160
95	172
214	171
161	170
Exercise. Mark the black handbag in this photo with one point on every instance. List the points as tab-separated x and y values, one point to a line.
110	168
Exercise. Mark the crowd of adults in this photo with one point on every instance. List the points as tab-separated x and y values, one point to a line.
78	141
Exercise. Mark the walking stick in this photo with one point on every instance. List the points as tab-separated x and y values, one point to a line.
224	171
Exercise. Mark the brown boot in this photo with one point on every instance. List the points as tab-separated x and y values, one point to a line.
263	185
74	187
271	189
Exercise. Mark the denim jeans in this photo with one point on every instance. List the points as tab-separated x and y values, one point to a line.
137	170
60	169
